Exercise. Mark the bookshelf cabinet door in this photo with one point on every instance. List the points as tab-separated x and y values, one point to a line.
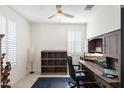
112	44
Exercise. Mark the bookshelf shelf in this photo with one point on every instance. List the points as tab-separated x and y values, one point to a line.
54	62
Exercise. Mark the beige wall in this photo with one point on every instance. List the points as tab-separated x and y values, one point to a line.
105	19
23	43
52	37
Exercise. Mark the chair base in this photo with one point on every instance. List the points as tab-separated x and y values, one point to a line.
75	84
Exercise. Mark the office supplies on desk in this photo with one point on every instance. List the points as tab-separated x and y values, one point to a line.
110	76
102	61
92	56
110	72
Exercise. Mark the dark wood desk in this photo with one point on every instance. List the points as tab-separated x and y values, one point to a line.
97	71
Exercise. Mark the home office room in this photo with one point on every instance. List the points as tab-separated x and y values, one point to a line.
60	46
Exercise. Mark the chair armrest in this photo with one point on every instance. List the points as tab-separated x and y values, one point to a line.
81	71
77	66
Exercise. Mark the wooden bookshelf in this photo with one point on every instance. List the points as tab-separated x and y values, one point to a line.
53	62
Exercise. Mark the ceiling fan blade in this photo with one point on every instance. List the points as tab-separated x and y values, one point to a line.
68	15
51	16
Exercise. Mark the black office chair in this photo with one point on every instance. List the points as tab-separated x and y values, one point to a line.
77	76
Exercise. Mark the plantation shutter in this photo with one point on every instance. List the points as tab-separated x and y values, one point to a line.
8	45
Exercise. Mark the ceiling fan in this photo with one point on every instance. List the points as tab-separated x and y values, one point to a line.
60	13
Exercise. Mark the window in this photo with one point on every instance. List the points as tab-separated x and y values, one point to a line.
74	42
8	28
3	30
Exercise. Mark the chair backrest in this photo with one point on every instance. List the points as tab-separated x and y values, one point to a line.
71	68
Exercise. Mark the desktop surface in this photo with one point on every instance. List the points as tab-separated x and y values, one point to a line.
97	70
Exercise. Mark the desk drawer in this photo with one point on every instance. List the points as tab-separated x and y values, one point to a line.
90	74
101	82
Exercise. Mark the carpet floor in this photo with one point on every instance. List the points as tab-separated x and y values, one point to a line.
56	82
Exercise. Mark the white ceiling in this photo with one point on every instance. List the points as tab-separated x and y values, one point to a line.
40	13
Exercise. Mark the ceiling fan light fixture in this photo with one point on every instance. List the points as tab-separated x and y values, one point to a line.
59	14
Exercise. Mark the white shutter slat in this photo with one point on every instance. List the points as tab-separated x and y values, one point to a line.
3	30
11	42
74	42
8	28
